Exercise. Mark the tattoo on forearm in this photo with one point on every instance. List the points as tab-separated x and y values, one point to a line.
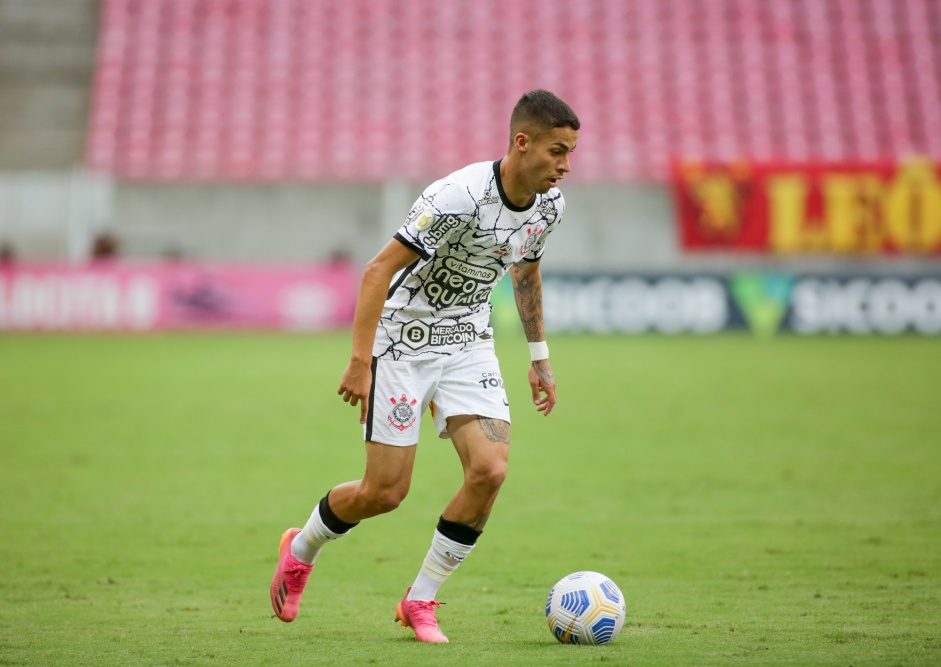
496	430
528	291
544	371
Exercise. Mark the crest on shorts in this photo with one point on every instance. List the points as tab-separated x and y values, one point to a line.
403	414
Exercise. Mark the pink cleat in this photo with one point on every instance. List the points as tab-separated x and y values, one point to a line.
419	615
289	580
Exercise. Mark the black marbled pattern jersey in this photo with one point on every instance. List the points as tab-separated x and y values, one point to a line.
467	234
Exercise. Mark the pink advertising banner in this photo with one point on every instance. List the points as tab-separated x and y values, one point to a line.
121	296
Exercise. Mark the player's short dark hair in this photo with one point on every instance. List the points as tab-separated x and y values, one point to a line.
544	110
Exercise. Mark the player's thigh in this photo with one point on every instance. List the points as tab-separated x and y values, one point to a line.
483	445
470	384
389	466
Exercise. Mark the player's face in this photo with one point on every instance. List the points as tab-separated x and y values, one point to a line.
546	160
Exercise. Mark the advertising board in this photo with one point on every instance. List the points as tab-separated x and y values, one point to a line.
174	296
764	303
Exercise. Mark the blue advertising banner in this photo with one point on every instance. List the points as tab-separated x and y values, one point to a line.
761	302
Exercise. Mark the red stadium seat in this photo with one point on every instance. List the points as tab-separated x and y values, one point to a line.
409	89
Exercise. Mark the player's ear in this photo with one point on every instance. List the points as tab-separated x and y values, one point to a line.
522	142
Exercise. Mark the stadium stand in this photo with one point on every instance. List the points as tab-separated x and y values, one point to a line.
47	50
268	90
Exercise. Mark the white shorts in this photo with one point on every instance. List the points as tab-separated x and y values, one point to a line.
466	383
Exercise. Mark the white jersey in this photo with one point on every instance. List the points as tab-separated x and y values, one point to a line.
467	234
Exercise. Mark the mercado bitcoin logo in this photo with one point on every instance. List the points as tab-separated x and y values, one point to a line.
417	334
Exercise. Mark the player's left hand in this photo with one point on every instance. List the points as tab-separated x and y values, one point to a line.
542	381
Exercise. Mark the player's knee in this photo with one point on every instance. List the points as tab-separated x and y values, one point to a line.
385	499
487	476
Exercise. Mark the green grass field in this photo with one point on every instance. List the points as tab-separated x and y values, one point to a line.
759	502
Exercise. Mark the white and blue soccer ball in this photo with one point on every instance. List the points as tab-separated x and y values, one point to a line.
585	608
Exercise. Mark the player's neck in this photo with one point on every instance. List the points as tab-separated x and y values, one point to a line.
514	189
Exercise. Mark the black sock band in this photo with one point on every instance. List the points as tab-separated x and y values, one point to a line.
459	532
331	520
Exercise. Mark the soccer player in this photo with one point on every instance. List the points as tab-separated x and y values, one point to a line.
422	340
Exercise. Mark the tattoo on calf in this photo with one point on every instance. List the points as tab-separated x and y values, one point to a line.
496	430
479	521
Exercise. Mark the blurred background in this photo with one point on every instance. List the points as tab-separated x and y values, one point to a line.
768	166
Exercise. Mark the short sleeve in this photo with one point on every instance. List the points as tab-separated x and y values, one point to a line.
442	210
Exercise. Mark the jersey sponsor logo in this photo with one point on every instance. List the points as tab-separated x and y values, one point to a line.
504	250
440	228
416	334
403	415
491	379
456	283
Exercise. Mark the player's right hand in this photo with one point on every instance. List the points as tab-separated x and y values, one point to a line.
354	387
542	381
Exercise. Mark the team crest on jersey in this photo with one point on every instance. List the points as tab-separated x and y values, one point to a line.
403	414
532	239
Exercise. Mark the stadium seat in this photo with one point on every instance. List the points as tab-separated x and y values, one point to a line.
375	89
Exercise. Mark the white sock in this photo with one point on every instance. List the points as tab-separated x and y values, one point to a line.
307	543
443	558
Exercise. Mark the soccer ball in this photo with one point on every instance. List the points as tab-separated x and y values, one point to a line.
585	608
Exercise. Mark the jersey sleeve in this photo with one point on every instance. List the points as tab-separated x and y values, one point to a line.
442	211
537	251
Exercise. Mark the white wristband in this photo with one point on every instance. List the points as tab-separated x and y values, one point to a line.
538	351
